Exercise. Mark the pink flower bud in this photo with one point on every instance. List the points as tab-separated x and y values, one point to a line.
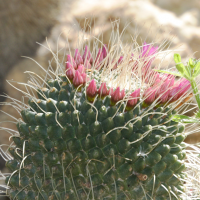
168	83
104	50
156	81
70	60
152	78
164	88
131	58
148	50
123	94
70	72
173	94
120	60
115	66
78	58
103	91
146	70
91	90
134	97
99	59
87	64
99	56
78	80
110	91
179	89
117	95
164	97
135	66
84	76
184	86
68	65
87	55
81	69
149	95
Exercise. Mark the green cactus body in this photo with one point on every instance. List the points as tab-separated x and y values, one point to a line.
74	151
80	142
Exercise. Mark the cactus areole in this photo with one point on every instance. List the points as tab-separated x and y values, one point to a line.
83	137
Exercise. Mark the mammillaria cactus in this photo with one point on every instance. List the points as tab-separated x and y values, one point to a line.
101	129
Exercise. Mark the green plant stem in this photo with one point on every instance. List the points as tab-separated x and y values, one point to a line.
195	91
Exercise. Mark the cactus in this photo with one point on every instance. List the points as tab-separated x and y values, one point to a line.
95	131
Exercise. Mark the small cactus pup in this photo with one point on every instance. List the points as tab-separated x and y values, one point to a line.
101	128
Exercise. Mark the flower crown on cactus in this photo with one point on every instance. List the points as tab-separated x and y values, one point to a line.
162	88
102	129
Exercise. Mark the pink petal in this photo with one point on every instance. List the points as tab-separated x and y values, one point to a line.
164	88
99	59
110	91
70	60
87	55
148	50
92	89
164	97
84	76
103	91
117	95
184	86
70	72
120	60
152	78
179	89
68	65
105	51
134	97
81	69
78	58
123	94
87	64
78	80
149	94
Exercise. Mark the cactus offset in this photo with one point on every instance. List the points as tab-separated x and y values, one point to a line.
89	135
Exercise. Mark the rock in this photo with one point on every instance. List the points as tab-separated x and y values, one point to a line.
191	17
190	35
177	6
23	23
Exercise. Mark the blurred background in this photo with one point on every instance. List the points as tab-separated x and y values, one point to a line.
23	23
